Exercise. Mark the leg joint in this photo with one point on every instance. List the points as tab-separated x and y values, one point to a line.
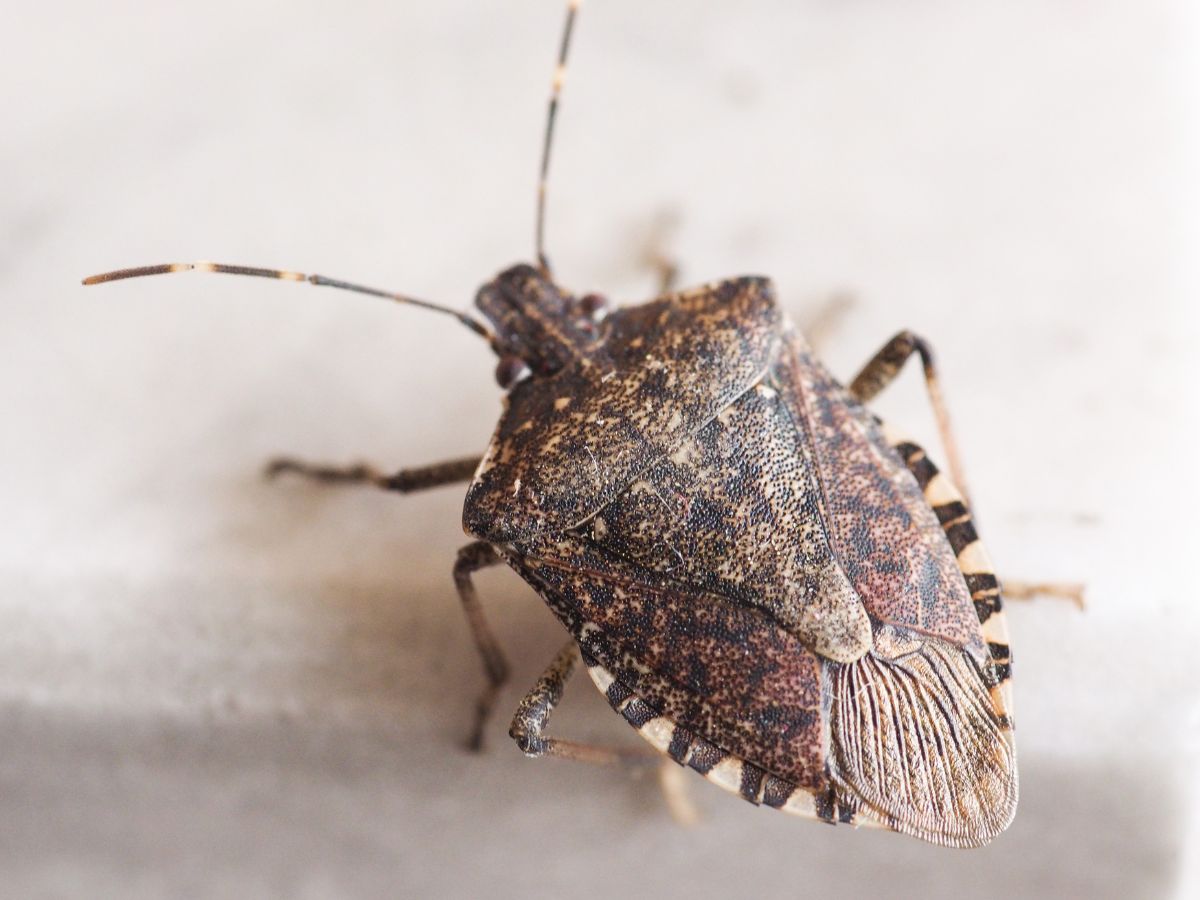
472	558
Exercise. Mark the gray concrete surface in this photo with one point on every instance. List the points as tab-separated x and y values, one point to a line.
211	686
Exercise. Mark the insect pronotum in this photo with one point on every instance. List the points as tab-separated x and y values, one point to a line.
769	584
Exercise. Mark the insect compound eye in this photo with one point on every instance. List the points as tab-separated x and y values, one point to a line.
594	306
509	370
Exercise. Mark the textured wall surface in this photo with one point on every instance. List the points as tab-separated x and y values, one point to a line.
212	686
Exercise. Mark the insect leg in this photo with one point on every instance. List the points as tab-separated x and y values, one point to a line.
825	319
472	558
405	481
882	370
873	378
533	715
667	270
674	786
1029	590
655	255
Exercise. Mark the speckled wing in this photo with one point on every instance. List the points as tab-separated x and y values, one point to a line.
735	510
567	444
917	734
723	671
881	526
728	585
905	735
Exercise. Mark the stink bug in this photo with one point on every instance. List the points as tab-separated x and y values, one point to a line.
764	580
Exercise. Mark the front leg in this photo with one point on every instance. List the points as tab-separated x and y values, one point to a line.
405	480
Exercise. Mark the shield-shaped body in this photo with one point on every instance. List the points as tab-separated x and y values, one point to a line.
767	586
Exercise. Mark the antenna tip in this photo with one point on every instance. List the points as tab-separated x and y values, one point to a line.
121	274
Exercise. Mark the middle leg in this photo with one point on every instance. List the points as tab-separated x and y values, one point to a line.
472	558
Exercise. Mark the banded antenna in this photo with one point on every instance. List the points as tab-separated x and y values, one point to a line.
560	71
560	74
284	275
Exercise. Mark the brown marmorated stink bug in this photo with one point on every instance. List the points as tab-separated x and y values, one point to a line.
762	578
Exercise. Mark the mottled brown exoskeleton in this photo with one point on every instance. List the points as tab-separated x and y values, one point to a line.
763	579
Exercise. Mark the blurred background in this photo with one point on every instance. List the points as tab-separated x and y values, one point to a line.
213	686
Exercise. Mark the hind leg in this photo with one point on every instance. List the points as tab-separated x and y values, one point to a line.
878	374
533	716
1030	590
882	371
